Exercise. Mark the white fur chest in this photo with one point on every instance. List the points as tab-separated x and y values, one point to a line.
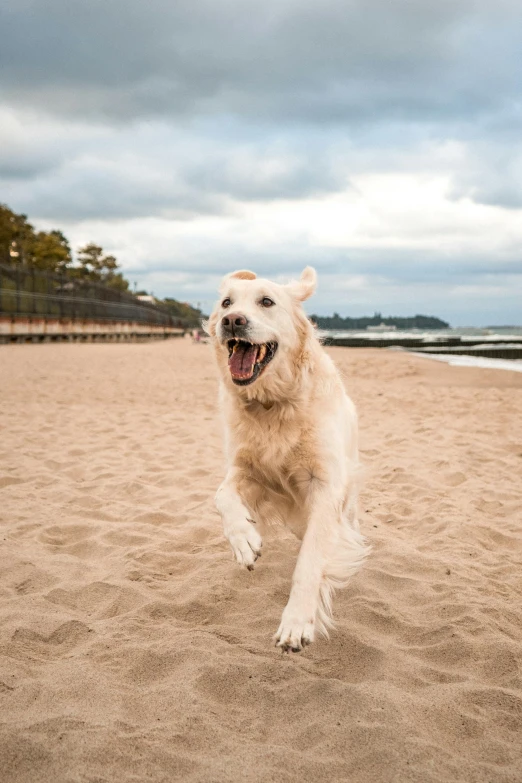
265	439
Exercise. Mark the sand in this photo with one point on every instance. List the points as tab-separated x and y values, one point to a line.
134	649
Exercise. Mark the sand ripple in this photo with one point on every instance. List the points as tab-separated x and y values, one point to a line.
132	648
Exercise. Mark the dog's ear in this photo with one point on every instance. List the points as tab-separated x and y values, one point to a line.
304	287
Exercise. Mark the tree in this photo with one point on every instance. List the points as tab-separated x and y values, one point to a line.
90	259
99	268
413	322
6	233
16	236
50	251
20	244
183	310
116	281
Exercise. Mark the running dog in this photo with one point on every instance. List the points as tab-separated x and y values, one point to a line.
291	444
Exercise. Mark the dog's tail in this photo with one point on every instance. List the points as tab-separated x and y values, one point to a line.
347	554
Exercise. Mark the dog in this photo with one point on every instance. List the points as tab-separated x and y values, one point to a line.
291	444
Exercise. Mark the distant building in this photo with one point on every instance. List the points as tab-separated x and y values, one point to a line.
382	327
146	298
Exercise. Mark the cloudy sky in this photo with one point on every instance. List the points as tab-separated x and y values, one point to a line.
379	140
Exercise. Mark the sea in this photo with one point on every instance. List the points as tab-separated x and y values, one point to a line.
487	335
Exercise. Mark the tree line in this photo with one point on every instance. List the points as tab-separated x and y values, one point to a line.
50	251
414	322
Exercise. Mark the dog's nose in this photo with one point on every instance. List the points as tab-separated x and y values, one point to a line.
234	320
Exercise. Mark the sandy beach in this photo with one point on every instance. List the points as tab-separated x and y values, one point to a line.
133	648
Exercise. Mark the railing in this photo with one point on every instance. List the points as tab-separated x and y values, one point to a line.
31	293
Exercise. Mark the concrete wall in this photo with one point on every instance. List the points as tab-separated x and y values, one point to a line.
40	330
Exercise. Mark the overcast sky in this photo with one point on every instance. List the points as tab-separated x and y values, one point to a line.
379	140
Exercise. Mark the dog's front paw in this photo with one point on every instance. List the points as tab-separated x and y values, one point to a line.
295	632
245	541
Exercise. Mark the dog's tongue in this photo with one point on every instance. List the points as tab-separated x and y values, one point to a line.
241	363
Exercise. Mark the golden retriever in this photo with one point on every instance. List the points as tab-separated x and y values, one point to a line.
291	444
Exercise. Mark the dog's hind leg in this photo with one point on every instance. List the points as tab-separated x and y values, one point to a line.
332	550
346	554
238	526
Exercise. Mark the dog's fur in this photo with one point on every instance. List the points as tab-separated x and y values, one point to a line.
291	446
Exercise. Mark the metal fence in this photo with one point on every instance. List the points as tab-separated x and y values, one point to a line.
31	293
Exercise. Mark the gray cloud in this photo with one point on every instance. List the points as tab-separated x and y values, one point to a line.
157	170
254	102
162	111
492	174
360	285
279	60
397	266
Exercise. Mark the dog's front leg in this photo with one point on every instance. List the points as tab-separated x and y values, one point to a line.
238	526
297	628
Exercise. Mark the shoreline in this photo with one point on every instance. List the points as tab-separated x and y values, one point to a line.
478	362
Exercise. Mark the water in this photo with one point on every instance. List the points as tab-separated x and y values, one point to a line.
515	365
486	335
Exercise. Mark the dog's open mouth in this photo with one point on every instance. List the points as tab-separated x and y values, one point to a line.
246	361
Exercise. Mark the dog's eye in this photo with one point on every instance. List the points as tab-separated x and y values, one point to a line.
226	302
266	302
